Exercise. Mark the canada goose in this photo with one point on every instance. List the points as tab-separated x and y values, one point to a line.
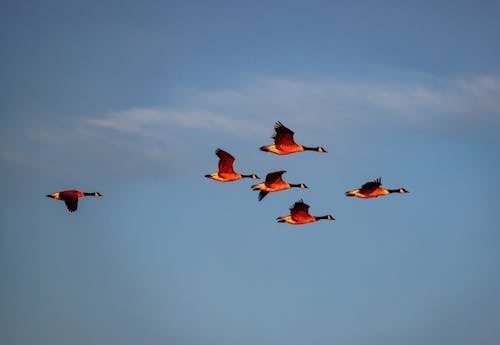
274	183
284	143
226	172
372	189
299	214
70	197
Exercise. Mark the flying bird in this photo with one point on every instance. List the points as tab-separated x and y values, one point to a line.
226	172
373	189
299	214
274	183
70	197
284	143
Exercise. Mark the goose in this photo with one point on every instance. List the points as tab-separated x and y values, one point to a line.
372	189
284	143
226	172
299	214
274	183
70	197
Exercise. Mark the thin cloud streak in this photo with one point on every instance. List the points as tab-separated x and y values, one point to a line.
163	136
243	112
347	104
150	122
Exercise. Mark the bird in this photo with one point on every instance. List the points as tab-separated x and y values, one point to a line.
284	143
70	197
226	172
275	183
299	214
373	189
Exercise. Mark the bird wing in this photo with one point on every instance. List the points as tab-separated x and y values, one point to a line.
262	195
71	204
225	162
274	177
283	136
300	210
372	185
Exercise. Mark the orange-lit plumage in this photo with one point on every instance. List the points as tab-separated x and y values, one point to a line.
274	182
373	189
70	197
299	214
226	172
284	143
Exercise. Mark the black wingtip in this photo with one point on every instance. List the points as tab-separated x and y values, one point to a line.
262	195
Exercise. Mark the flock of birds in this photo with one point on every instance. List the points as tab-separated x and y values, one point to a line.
283	144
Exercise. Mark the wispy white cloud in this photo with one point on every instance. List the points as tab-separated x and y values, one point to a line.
153	122
415	100
156	136
250	110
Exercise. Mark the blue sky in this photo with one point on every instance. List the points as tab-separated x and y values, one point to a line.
132	98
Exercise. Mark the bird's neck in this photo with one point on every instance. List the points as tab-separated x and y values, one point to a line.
317	149
394	190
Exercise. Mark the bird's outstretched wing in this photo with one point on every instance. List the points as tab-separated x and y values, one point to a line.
225	162
283	136
372	185
262	194
71	204
274	177
299	210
